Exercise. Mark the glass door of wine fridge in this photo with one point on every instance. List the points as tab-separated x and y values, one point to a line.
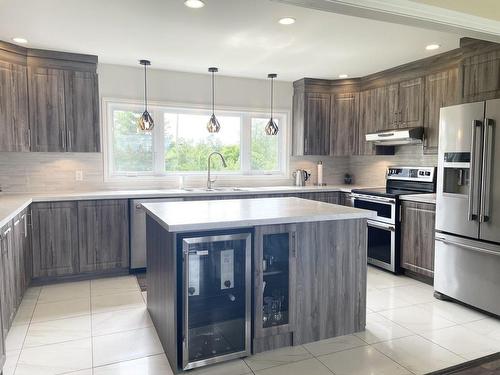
216	298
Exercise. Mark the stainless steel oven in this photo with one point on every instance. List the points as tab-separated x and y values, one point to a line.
381	230
383	206
382	245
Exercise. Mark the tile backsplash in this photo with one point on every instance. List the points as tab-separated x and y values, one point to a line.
38	172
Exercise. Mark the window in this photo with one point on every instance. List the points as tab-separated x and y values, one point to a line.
180	143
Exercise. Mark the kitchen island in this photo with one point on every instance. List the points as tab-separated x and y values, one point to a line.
231	278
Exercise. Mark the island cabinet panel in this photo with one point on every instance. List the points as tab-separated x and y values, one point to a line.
274	285
14	124
344	124
103	235
417	237
55	239
441	90
330	279
481	76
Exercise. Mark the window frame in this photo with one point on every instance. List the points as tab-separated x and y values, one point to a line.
158	173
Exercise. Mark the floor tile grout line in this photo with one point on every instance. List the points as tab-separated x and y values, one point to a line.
392	359
129	360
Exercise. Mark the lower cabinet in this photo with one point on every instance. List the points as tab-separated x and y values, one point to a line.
345	199
55	239
103	240
70	238
417	237
274	275
327	197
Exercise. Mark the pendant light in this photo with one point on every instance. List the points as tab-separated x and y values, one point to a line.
271	127
213	125
145	122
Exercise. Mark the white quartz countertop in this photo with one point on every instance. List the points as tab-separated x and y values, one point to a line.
421	198
11	204
241	213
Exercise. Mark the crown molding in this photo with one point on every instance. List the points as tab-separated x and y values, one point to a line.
409	13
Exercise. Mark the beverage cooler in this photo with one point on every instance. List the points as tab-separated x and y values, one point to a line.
216	297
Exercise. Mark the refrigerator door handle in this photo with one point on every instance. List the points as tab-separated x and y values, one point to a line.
467	246
471	214
489	125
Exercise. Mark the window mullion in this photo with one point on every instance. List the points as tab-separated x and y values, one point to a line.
158	143
246	142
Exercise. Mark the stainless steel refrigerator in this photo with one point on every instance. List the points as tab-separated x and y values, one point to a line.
467	260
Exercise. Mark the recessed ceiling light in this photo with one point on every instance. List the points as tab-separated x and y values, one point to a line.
343	76
194	4
286	20
20	40
432	47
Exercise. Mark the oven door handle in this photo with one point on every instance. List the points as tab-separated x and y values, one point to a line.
373	199
382	226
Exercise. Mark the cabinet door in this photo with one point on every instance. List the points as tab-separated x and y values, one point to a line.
103	235
344	124
55	239
14	126
411	103
387	110
367	120
345	199
82	111
481	76
8	292
18	254
441	90
327	197
47	109
274	275
417	237
317	124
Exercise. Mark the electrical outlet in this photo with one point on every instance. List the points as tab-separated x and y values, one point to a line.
79	175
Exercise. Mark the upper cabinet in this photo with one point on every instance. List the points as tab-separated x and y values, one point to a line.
324	118
411	95
481	75
48	101
14	126
441	90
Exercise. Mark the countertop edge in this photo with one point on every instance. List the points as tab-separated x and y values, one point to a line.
419	198
15	211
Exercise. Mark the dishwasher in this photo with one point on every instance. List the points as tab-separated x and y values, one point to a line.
138	231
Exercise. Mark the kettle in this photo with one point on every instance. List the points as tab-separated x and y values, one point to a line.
301	176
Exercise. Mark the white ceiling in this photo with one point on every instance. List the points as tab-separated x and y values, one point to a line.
241	37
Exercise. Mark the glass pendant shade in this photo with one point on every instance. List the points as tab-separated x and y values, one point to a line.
213	125
146	122
271	127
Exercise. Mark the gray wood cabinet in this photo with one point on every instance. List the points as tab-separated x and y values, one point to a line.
411	103
327	197
55	239
481	75
14	124
317	124
367	120
344	124
81	111
417	237
441	90
103	235
345	199
8	275
387	114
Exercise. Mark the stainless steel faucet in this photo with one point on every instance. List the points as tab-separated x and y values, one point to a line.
209	180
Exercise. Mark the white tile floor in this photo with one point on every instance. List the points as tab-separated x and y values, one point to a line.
102	327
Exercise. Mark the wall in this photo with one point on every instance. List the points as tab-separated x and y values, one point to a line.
21	172
56	171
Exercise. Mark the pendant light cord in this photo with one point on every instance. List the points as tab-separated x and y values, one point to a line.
272	95
213	93
145	89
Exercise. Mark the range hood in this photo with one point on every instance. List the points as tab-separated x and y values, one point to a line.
395	137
